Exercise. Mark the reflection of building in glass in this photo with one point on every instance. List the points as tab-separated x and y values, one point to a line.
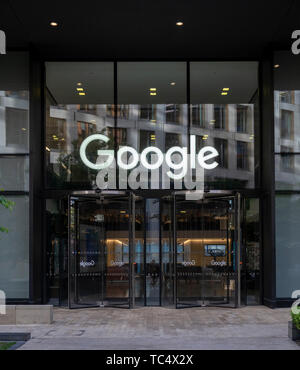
287	130
228	128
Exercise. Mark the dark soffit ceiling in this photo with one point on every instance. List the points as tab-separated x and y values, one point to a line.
142	29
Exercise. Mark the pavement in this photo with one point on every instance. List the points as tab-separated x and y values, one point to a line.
149	328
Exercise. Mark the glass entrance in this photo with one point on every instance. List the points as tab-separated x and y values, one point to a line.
99	251
207	252
128	251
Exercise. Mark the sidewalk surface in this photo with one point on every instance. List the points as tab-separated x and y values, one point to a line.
162	329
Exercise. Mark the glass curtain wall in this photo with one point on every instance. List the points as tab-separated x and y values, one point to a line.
287	166
14	175
224	98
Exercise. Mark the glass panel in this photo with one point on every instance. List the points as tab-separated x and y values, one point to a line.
287	122
139	253
251	253
219	262
153	94
14	249
226	94
206	252
153	273
287	244
76	108
86	253
116	258
14	173
99	252
57	251
167	251
14	103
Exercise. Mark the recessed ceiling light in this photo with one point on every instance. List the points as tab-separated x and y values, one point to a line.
53	24
82	94
79	84
277	66
153	89
224	93
153	94
179	24
226	89
79	89
173	84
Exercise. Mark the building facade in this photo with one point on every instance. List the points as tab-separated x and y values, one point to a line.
199	205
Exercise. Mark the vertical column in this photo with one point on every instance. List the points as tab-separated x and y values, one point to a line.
268	180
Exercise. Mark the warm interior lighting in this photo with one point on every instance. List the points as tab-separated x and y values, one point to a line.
82	94
79	89
48	150
226	89
277	66
53	24
208	241
179	24
153	94
153	89
79	84
224	93
173	83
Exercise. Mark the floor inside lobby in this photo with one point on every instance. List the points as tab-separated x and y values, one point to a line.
162	329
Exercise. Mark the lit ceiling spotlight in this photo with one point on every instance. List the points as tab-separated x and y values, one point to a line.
226	89
79	89
153	91
79	84
173	84
179	24
48	150
224	93
53	24
277	66
24	129
123	212
82	94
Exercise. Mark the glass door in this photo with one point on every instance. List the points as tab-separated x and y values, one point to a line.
207	252
99	258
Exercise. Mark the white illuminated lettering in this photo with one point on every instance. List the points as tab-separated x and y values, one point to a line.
109	153
145	162
180	166
135	158
203	157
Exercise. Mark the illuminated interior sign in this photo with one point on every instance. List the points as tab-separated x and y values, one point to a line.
2	43
205	157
